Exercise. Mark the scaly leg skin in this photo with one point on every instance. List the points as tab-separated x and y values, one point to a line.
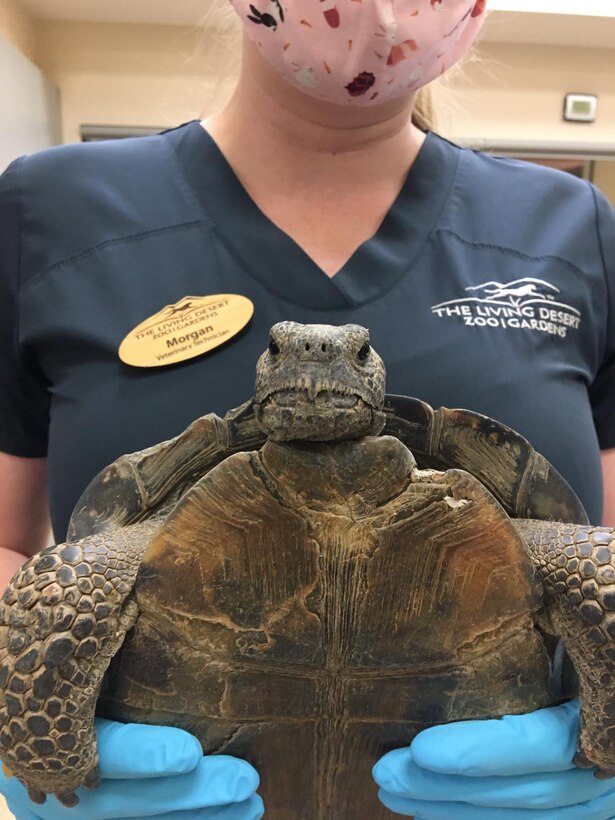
62	619
577	568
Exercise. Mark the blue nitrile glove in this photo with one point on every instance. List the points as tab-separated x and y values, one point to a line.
152	771
516	768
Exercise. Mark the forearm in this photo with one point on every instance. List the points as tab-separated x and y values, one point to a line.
608	472
25	528
10	562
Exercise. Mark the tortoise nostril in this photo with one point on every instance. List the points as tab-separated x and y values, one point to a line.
307	346
323	347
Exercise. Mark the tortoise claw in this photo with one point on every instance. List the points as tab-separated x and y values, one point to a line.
68	799
92	781
582	761
604	774
6	771
36	795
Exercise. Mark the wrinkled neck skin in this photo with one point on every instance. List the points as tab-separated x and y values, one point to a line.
272	129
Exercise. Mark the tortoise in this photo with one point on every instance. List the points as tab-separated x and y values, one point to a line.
307	583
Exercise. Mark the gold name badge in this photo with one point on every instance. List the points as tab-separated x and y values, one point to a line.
193	326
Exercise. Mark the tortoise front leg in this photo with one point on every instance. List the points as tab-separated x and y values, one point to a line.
577	568
141	484
62	619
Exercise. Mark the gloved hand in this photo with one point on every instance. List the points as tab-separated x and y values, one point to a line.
516	768
152	771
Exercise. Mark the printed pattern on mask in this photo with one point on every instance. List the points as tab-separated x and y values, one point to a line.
361	52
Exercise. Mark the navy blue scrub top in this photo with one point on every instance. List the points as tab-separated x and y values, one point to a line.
490	285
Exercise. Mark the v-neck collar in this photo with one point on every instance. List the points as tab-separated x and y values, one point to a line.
280	264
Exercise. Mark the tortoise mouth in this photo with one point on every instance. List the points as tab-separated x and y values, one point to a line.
323	398
309	414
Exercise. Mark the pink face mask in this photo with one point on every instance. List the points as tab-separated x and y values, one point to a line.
361	52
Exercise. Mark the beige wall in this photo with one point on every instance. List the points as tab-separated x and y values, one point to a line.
133	75
605	178
18	28
516	91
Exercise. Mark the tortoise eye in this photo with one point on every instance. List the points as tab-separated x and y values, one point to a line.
273	347
364	352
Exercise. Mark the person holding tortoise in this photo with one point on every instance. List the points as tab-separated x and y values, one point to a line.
321	194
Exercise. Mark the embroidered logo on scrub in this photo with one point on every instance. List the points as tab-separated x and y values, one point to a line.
525	304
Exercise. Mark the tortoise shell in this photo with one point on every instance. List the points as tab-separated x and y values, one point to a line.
308	608
140	485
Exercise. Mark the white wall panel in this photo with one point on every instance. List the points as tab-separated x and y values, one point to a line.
30	116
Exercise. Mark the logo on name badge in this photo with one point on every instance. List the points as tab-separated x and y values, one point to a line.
525	304
189	328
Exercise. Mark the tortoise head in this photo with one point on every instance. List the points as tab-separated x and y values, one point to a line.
319	383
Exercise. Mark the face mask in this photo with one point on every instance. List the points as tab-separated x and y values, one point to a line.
361	52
